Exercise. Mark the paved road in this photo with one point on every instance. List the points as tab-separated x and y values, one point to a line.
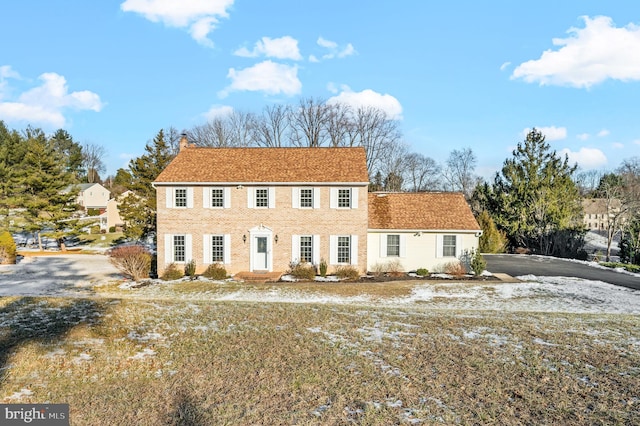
522	264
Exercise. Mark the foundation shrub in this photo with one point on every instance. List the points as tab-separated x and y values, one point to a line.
190	269
215	271
302	271
423	272
455	269
347	272
171	273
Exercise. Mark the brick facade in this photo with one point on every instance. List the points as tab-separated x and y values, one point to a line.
282	221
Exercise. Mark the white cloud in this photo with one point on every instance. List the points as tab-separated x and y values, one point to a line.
583	136
587	158
334	50
588	56
45	104
617	145
199	17
218	111
637	141
551	133
281	48
268	77
313	58
504	66
603	133
387	103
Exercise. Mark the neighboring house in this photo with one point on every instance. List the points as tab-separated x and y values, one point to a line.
599	213
91	196
419	230
111	217
262	209
259	209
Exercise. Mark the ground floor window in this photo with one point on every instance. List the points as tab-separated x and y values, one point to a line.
449	246
217	248
393	245
179	245
344	249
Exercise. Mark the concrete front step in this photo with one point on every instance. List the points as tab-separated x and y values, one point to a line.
258	277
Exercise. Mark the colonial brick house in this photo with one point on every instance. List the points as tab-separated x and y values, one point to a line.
259	209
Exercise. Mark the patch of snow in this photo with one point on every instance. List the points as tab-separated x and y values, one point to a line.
145	353
19	395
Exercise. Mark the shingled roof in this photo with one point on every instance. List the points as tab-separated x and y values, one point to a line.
273	165
420	211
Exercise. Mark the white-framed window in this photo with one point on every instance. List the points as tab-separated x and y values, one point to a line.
216	197
344	198
305	248
305	198
216	248
393	245
449	245
261	198
343	249
177	248
179	198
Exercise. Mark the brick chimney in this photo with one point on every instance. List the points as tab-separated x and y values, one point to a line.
184	142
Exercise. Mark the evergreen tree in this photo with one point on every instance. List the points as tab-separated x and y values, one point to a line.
492	240
630	244
72	152
139	208
43	186
535	201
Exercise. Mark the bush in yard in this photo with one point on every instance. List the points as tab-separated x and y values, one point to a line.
171	273
478	264
7	248
347	272
133	261
393	268
455	269
190	269
323	267
423	272
215	271
302	271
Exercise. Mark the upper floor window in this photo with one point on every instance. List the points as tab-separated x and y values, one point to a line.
449	246
180	197
393	245
344	198
306	197
262	197
217	197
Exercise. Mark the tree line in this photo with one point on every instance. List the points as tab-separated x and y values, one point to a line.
532	203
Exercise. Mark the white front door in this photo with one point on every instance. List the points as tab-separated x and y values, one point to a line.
260	254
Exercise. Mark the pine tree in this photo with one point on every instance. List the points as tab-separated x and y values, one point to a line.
139	208
535	200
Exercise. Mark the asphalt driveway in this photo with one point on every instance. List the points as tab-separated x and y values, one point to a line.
522	264
56	275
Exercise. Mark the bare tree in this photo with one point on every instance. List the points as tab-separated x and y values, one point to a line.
270	128
240	124
376	132
588	181
93	161
172	137
309	123
394	167
458	174
340	125
423	173
214	133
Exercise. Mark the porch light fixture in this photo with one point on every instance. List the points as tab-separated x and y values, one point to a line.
276	239
244	238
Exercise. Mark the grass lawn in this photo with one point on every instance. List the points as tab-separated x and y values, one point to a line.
151	362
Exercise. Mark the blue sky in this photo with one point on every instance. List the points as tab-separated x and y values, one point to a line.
455	74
